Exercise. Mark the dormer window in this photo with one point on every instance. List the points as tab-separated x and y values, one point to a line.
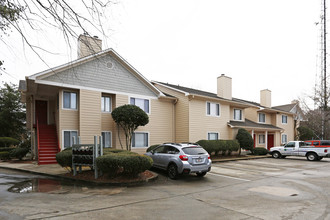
262	118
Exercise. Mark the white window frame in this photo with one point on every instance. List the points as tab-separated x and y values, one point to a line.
110	141
215	114
208	133
73	109
286	138
240	114
264	139
149	103
103	97
286	119
263	122
63	147
142	132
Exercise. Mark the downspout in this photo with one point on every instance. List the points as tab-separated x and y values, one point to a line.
174	120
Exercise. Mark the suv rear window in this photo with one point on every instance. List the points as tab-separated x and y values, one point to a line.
194	150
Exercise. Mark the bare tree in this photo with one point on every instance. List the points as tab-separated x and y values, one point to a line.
72	18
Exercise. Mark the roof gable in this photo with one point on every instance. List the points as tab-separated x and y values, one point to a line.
104	71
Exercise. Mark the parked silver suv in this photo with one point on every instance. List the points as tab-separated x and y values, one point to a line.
182	158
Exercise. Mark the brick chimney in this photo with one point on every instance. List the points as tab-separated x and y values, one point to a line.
224	87
266	98
88	45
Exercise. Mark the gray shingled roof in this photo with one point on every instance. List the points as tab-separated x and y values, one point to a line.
248	123
213	95
286	108
202	93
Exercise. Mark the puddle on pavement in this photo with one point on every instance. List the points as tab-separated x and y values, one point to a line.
52	186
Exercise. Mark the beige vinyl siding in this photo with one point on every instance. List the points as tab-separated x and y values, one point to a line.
201	123
68	119
288	128
161	123
89	115
181	114
251	114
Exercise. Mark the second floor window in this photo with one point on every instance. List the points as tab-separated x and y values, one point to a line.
284	119
262	118
106	104
70	100
213	109
238	114
142	103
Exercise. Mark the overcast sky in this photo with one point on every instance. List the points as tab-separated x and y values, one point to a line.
261	44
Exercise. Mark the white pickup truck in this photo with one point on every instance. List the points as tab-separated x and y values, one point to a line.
300	148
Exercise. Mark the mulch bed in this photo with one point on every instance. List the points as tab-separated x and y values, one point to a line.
88	175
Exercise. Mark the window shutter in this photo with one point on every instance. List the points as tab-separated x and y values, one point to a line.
208	108
146	106
218	109
132	101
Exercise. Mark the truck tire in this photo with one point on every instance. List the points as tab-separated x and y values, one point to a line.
276	155
312	157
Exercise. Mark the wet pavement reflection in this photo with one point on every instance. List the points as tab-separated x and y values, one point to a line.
21	183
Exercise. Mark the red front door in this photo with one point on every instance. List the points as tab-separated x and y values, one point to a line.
41	111
270	142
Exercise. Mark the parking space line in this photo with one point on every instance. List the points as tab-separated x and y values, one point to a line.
230	177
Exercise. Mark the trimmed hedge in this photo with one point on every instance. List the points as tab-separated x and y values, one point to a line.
64	158
216	146
6	149
260	151
8	141
19	153
123	164
4	155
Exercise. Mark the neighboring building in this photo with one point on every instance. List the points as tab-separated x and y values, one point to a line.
203	115
76	99
296	110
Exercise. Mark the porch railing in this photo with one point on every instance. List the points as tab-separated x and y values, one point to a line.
58	142
38	138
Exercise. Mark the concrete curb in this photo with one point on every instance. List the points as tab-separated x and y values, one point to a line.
90	182
240	158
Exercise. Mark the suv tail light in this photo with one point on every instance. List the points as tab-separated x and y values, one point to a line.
183	157
209	157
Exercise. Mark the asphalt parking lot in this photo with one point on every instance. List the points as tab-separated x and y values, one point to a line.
291	188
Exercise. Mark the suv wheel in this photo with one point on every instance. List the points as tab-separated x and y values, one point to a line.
172	171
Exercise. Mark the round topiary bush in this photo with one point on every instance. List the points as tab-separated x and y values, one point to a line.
123	164
4	155
8	141
19	153
245	139
64	158
260	151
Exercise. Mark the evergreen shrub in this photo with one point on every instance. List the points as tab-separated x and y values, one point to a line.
260	151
